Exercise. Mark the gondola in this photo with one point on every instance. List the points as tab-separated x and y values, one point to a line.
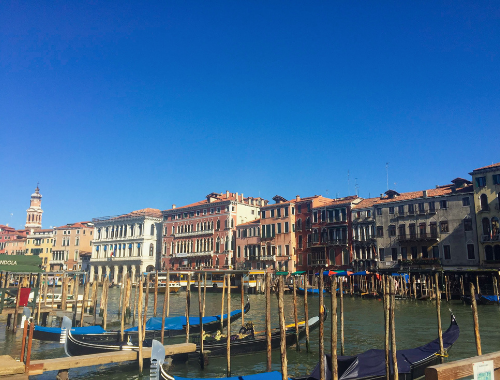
369	365
310	291
246	341
482	299
174	326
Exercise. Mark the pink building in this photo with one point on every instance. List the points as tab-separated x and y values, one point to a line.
248	246
202	234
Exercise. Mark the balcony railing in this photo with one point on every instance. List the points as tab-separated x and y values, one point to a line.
193	254
486	238
415	237
318	262
194	233
388	264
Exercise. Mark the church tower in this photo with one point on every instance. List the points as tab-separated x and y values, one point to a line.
34	217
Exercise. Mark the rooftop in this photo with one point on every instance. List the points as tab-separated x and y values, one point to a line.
497	165
153	212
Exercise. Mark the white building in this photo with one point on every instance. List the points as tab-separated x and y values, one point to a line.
129	243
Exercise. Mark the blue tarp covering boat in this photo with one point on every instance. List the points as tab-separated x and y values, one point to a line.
74	330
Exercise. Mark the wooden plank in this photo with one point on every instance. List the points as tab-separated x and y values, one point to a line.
461	368
105	358
10	366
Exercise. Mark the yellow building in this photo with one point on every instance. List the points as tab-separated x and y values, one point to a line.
39	243
487	202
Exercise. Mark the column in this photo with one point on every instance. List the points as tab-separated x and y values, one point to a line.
133	273
99	273
91	278
108	269
115	274
124	271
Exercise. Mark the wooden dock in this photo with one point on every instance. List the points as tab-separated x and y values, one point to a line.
12	367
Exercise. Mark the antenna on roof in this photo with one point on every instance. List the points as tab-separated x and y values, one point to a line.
387	172
356	186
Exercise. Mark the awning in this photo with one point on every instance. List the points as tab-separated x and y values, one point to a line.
20	263
298	273
281	273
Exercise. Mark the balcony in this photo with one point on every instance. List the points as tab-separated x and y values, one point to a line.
488	238
262	258
420	263
420	237
193	233
388	265
194	254
318	262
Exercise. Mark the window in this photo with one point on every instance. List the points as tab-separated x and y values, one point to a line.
368	213
205	212
263	214
413	232
425	253
380	231
379	211
315	217
434	230
272	213
293	210
392	230
391	210
308	207
299	209
402	230
279	227
211	211
381	254
421	208
286	226
394	253
300	241
197	212
435	252
218	211
404	253
466	201
286	211
496	179
484	202
470	252
443	204
468	224
278	212
447	252
422	228
481	181
414	253
401	210
411	208
444	226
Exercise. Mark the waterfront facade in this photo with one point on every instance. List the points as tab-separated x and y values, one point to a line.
277	239
69	242
129	243
40	242
364	248
248	246
202	234
486	181
431	227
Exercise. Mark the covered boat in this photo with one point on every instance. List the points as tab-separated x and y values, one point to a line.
310	291
246	341
174	326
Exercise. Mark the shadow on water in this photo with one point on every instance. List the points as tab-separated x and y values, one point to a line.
364	329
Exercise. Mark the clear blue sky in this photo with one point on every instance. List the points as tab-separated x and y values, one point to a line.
117	106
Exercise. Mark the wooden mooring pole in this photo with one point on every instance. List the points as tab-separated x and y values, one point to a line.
167	291
341	291
85	300
306	312
155	301
228	337
462	289
333	341
476	320
242	291
139	322
295	316
222	304
146	301
438	310
104	295
393	330
321	327
281	312
124	303
164	309
188	305
268	320
387	327
200	308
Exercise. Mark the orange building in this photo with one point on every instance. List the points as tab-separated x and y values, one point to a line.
70	241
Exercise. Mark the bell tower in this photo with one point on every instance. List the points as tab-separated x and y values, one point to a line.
34	213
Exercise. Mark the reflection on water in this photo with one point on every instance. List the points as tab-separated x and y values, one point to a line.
364	329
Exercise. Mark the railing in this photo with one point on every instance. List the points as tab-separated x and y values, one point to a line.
421	236
485	238
318	262
388	264
194	233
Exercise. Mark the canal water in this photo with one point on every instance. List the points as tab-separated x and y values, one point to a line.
416	324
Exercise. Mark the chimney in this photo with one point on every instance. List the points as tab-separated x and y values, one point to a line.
297	198
242	197
381	196
424	193
453	189
173	206
236	196
227	193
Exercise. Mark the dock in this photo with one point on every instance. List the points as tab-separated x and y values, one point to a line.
11	367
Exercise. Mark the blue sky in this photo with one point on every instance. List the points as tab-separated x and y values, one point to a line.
117	106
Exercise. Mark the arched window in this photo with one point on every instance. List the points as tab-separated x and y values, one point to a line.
232	223
151	249
98	233
486	227
107	232
315	236
218	224
308	222
299	224
488	252
152	230
496	252
484	202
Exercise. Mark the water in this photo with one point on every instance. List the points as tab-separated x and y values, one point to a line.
364	329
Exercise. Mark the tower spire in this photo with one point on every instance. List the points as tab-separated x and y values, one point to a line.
34	212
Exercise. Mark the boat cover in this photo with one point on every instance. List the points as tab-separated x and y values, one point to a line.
178	323
490	298
372	362
74	330
274	375
311	290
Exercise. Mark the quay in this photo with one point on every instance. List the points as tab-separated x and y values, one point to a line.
36	367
